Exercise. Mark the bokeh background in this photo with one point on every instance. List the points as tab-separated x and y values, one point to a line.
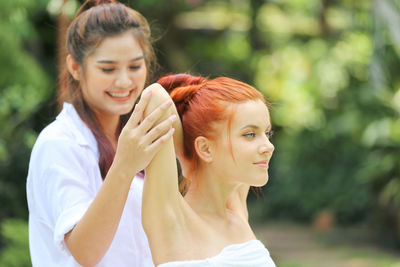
330	68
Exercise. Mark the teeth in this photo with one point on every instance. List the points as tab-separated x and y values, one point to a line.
113	94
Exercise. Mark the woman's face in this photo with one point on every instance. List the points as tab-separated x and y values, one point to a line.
114	75
251	148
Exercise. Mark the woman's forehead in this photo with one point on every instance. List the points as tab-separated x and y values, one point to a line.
123	46
251	113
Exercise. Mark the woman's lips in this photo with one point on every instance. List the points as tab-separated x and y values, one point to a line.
262	164
120	95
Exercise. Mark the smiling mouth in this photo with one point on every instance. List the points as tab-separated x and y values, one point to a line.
120	94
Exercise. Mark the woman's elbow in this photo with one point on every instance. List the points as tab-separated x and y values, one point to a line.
82	256
86	259
158	94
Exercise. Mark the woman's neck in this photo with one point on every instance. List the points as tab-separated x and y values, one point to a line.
109	126
209	194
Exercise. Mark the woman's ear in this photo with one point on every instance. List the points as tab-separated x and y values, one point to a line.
73	67
203	148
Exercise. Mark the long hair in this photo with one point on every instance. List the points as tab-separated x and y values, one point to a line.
200	103
95	21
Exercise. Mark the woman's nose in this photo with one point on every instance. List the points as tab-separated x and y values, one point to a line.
123	80
266	147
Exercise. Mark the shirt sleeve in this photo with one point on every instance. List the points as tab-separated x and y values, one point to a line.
67	182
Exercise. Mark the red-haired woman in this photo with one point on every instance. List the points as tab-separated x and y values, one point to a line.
224	145
84	186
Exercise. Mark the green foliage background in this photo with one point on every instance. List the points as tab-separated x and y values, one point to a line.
329	68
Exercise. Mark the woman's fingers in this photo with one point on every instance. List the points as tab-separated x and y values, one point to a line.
140	107
154	116
159	130
155	146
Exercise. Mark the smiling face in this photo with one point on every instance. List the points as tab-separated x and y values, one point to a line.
114	75
251	148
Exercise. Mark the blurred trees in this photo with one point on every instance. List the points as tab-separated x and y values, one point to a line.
16	253
332	76
24	87
327	66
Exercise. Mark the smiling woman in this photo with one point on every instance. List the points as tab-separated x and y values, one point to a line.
84	185
113	78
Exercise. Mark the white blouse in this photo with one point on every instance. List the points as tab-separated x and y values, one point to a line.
249	254
63	179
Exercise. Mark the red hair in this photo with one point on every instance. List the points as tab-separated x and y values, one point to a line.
200	102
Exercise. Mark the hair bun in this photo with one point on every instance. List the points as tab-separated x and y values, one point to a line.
91	3
99	2
170	82
182	88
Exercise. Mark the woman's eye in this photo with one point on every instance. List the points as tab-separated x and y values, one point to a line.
107	70
269	134
135	67
250	135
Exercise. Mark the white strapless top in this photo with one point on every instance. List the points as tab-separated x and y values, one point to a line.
249	254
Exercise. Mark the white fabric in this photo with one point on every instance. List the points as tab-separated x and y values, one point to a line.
63	179
249	254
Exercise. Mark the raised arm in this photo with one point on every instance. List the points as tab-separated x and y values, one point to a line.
162	202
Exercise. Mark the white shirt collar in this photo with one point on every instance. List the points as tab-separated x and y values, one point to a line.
83	135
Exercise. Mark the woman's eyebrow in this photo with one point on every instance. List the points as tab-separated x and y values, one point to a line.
107	61
255	127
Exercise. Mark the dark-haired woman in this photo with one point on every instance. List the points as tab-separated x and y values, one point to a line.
223	143
84	186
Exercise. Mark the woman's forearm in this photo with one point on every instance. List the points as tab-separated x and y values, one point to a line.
91	237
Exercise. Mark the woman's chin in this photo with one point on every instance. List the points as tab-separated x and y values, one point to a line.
261	182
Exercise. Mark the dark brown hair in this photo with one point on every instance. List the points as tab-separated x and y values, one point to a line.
95	21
